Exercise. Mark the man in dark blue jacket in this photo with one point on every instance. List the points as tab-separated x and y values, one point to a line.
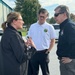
66	43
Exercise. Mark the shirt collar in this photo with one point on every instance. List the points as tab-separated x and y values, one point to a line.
41	24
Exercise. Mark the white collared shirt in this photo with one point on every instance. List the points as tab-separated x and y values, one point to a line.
41	35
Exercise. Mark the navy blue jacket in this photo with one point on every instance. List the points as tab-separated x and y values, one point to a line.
66	43
13	51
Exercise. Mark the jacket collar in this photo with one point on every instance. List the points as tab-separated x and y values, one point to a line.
63	23
11	27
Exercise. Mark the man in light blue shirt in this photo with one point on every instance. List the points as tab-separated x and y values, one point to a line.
43	36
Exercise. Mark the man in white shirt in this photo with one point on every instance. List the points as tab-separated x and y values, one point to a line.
43	36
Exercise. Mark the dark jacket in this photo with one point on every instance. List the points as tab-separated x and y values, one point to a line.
13	51
66	43
1	62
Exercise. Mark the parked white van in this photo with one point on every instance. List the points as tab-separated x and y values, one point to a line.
57	29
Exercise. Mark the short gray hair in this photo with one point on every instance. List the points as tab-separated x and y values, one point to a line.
63	9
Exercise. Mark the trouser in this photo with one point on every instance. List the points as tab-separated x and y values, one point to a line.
30	70
31	52
23	68
67	69
1	61
42	59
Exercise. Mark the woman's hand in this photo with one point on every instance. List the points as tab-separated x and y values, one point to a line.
30	42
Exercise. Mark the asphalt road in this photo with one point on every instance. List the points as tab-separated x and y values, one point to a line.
54	62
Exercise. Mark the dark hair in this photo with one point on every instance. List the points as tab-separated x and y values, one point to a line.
10	17
63	9
42	10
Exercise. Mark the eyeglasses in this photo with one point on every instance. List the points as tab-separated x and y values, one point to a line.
42	17
57	14
20	19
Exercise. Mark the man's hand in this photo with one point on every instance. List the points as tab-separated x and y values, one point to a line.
47	51
66	60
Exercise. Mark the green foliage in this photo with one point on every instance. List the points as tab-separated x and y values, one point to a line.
28	9
19	6
72	16
23	31
52	21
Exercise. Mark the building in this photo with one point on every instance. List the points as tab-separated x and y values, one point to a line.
4	10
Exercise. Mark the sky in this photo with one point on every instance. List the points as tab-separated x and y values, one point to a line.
50	5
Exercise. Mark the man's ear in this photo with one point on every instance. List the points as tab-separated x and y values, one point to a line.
64	14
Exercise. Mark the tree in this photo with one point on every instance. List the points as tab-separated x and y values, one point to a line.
52	21
28	9
72	16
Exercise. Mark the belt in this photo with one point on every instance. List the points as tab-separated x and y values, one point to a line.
42	50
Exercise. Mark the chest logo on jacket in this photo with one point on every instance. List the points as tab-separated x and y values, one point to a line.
61	33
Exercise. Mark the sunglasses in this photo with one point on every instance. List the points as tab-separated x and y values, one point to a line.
57	14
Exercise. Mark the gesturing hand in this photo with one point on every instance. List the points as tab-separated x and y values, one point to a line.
30	42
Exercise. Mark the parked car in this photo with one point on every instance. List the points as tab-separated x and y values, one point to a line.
1	33
57	29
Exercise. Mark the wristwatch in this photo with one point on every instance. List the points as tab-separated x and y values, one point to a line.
48	52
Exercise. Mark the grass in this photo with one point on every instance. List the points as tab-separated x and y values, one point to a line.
23	31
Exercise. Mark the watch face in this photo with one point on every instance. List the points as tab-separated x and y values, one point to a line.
48	52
